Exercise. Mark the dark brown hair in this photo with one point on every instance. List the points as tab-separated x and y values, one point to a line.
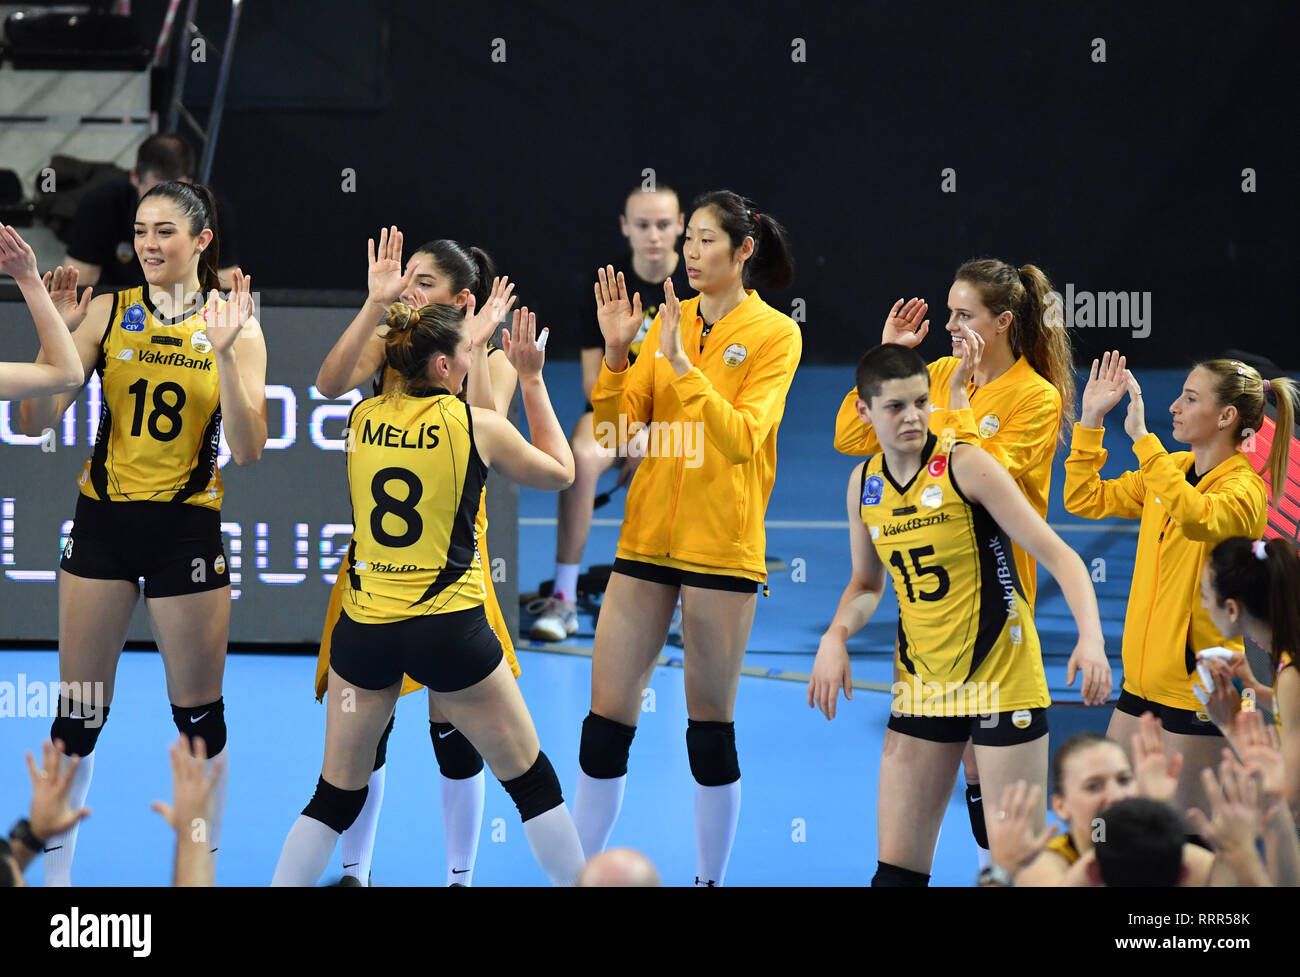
1269	588
1075	744
199	208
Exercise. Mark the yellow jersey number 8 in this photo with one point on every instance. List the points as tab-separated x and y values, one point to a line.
389	505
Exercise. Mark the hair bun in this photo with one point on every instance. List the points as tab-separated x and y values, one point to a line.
401	316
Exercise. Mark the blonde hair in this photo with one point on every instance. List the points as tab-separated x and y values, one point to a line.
1242	386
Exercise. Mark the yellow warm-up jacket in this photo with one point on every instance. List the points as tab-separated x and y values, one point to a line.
1015	418
699	498
1181	523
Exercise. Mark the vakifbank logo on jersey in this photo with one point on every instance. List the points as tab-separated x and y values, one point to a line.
133	318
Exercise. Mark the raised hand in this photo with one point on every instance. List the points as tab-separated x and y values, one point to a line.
619	317
1234	806
1157	773
16	256
225	320
62	286
192	784
670	328
1135	422
969	361
50	813
521	341
1257	743
904	324
1013	843
482	324
1106	385
384	278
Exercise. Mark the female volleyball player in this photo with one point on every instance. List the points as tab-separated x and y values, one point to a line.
1006	387
652	221
1187	502
441	272
714	392
414	603
174	371
1252	588
940	520
62	371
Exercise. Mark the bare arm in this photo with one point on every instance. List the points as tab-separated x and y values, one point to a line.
356	356
41	413
984	481
831	668
63	371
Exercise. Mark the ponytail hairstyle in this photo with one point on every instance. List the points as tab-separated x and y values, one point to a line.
1264	577
416	336
465	267
1241	385
1036	333
199	208
772	263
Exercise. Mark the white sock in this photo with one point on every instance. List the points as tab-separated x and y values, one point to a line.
566	581
306	853
595	809
717	810
219	801
359	840
984	855
554	841
60	848
462	817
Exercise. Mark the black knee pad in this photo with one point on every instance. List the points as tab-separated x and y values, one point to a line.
605	744
711	749
79	735
457	758
975	808
536	791
381	751
892	875
208	722
335	807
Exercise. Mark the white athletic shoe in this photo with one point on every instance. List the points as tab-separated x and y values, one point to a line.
558	619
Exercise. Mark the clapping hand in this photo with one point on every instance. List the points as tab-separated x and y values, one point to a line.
1106	385
904	325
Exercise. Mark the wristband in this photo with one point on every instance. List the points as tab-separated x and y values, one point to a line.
23	834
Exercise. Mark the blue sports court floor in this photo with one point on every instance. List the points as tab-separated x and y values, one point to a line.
809	786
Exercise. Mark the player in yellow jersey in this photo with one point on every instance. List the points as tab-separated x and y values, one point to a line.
1251	588
941	523
710	384
174	371
62	371
414	603
1187	502
440	272
1007	387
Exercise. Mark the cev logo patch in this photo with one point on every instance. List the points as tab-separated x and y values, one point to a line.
872	490
133	318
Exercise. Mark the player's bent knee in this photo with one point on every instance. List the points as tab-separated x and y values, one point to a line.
457	758
711	749
208	722
605	746
79	731
536	791
893	876
335	807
